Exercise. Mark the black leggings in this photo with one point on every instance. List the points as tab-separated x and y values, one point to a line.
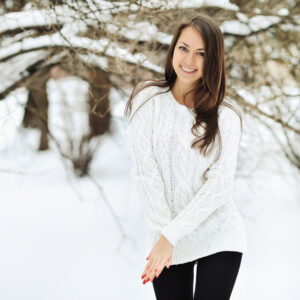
216	275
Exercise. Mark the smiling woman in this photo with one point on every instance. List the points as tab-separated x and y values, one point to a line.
188	61
186	184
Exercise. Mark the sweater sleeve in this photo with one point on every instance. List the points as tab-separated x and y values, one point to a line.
145	170
217	188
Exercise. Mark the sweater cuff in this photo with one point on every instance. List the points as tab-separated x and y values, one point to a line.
171	233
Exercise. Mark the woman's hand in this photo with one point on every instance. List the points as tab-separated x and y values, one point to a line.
159	257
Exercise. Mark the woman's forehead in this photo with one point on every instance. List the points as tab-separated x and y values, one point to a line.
191	38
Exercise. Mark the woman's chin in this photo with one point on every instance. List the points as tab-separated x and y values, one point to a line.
188	81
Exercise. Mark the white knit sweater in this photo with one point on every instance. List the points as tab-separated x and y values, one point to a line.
185	197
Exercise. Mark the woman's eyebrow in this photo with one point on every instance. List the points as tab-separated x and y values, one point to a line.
188	46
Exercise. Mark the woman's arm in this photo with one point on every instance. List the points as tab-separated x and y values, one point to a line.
217	189
145	170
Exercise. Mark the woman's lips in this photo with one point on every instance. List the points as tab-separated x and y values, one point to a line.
186	71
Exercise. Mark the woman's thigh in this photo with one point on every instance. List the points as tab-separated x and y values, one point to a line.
175	283
216	275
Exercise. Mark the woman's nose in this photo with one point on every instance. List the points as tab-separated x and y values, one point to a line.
189	61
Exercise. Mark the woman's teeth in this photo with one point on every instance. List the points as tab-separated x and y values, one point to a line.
187	70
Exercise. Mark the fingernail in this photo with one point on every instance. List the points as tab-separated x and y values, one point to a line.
143	276
144	281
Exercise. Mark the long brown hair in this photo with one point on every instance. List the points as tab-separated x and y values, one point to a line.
210	91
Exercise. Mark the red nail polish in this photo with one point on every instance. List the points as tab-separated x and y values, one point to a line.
143	276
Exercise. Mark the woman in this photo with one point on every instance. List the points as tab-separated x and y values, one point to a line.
186	183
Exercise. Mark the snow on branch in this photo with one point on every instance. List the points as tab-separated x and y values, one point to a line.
14	70
102	46
245	26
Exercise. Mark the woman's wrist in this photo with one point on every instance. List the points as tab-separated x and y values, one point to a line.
162	237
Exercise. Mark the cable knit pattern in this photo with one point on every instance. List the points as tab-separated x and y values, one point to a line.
185	196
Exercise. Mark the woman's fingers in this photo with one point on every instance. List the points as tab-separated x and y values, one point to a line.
154	269
150	271
161	268
149	264
146	272
157	271
169	262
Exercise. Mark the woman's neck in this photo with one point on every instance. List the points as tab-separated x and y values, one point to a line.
178	93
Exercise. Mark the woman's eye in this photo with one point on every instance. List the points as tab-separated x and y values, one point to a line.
184	49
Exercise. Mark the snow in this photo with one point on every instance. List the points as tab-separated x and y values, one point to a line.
229	41
170	4
283	12
68	117
15	69
143	31
17	37
111	49
73	29
242	17
296	18
59	240
290	27
96	60
23	19
257	10
246	94
245	26
235	27
199	3
261	99
262	22
292	91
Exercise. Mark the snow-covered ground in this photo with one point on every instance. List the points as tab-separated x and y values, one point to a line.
59	241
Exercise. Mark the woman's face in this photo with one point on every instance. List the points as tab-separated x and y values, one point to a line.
189	54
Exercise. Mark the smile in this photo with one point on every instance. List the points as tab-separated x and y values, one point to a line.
187	70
